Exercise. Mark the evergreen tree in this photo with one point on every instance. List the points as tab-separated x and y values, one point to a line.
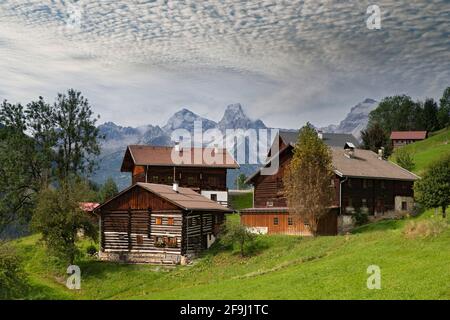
430	115
375	138
77	135
444	109
108	190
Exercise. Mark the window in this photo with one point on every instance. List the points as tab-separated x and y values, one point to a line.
269	204
404	206
158	220
191	180
170	221
155	179
172	242
349	183
364	183
290	221
364	202
382	185
350	202
213	197
169	179
275	221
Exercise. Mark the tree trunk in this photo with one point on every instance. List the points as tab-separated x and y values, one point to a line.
444	214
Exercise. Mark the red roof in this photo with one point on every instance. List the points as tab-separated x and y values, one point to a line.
145	155
408	135
88	206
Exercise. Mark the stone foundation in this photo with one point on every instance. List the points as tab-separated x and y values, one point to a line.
142	257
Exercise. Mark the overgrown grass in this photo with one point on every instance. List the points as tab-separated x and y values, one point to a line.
426	151
284	267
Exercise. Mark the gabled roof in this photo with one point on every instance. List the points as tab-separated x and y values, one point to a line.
408	135
366	164
363	164
185	198
145	155
330	139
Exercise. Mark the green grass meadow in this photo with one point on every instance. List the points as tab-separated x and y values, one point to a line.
281	267
426	151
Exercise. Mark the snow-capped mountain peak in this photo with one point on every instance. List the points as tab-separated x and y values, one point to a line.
184	119
235	118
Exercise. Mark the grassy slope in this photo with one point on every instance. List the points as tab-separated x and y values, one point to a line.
429	150
285	267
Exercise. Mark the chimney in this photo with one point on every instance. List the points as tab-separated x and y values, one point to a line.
320	134
349	150
177	146
175	187
381	153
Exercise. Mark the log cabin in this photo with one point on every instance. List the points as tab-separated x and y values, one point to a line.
363	180
158	224
202	169
402	138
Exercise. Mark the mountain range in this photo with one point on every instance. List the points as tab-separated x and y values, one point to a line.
116	137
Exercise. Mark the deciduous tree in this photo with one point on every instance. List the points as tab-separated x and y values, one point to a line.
307	181
433	190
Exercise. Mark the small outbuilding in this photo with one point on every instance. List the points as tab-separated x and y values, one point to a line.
156	223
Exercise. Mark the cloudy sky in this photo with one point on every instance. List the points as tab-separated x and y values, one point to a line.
286	62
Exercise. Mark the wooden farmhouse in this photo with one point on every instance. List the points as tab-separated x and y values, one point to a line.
402	138
362	181
202	169
157	223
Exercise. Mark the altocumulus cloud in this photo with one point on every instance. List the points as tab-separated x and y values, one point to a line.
286	61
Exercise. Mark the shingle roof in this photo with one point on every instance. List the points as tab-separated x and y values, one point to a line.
330	139
365	164
408	135
185	198
162	156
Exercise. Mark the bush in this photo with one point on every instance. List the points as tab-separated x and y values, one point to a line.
91	250
12	277
404	159
235	233
360	217
425	228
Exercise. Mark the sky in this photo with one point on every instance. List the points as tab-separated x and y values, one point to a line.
286	62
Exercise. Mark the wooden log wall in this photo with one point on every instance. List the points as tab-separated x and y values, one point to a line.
196	228
202	178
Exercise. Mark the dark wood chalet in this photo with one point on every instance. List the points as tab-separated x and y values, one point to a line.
402	138
201	169
160	224
363	181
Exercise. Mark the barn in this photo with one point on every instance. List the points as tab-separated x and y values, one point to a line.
156	223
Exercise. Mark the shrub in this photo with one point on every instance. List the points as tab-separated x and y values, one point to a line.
404	159
235	233
91	250
425	228
360	217
12	277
